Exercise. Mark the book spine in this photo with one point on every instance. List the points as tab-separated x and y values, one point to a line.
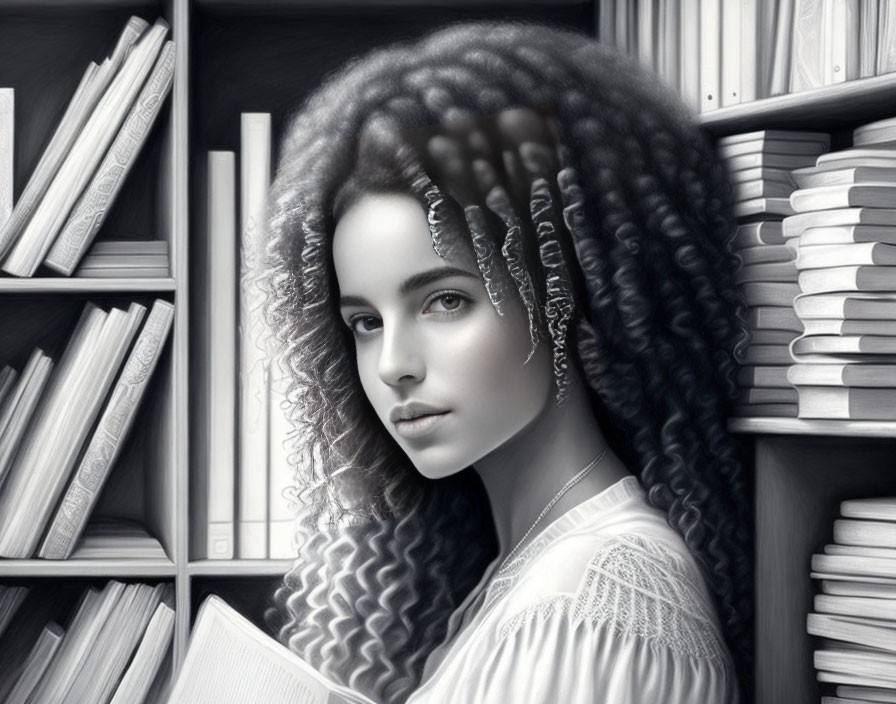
669	18
689	57
710	54
606	22
7	153
731	52
93	205
808	58
780	70
220	474
77	168
868	38
886	46
647	33
108	438
282	479
255	176
749	46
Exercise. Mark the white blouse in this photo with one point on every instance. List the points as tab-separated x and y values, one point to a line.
605	605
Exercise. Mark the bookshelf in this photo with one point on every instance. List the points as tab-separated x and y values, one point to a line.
803	469
231	59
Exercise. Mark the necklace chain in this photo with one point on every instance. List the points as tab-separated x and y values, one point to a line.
559	495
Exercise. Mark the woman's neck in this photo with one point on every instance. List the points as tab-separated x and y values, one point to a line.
522	476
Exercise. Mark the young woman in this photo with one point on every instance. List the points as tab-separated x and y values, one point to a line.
498	265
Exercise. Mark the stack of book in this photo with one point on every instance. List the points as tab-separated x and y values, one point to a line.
844	234
759	166
125	259
63	425
242	493
724	52
855	613
95	144
111	650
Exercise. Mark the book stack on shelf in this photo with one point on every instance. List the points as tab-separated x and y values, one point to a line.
242	501
64	424
844	233
759	166
112	649
82	169
855	613
124	259
719	53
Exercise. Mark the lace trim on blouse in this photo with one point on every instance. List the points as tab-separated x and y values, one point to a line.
636	586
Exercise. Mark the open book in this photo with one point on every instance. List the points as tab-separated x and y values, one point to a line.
231	661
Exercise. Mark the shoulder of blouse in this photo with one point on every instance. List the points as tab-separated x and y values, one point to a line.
634	585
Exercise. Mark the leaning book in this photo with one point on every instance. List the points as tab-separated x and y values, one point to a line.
231	661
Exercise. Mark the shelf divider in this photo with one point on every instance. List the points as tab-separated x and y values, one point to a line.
87	568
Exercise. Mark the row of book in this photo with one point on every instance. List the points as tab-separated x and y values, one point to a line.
819	276
114	649
82	169
242	493
125	259
724	52
855	613
63	423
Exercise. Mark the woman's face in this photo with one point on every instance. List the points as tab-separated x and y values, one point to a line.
446	374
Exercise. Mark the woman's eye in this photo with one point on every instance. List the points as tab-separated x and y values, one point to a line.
364	324
447	302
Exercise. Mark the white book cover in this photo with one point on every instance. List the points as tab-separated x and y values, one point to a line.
781	52
845	255
767	31
7	152
861	306
865	375
731	52
842	30
868	19
851	195
749	49
254	403
148	658
689	56
794	225
216	484
86	152
36	664
24	402
874	132
886	37
811	177
807	69
710	54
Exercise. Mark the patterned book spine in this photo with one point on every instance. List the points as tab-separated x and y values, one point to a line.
94	204
111	431
7	124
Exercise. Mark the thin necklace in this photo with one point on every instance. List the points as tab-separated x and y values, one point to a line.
559	495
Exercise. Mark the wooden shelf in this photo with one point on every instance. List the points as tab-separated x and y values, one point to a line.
87	568
802	426
239	568
831	107
66	285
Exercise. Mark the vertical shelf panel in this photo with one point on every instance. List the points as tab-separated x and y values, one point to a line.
800	482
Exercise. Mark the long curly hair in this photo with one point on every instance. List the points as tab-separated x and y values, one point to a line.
616	240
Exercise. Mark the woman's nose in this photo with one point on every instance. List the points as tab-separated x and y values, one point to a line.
401	357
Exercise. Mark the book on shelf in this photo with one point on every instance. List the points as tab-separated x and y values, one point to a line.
811	177
779	177
11	598
794	225
710	38
212	483
868	37
860	550
116	539
7	152
759	234
747	190
254	374
848	327
781	47
86	152
857	374
865	532
148	658
231	661
36	664
874	632
770	395
867	278
772	318
847	234
841	42
766	410
730	49
130	272
764	145
878	132
873	509
767	272
767	354
769	376
757	207
828	256
764	336
857	588
848	195
769	161
768	293
846	306
689	53
860	663
865	607
860	694
822	138
90	211
806	69
764	254
847	403
109	435
845	344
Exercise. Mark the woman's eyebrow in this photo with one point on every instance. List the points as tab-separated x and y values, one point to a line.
424	278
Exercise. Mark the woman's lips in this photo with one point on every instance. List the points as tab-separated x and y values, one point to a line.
419	426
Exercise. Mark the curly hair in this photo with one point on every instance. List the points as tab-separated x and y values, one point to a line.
634	194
